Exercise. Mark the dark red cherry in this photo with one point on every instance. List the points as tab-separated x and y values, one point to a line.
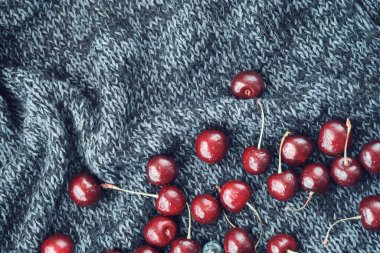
238	240
57	243
369	209
160	231
161	170
205	209
256	161
370	156
315	177
332	137
234	195
348	174
296	150
282	243
247	84
211	145
145	249
118	251
184	245
171	201
283	186
84	189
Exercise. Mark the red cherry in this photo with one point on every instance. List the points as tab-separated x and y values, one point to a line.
296	150
282	243
234	195
211	145
370	156
346	174
57	243
332	136
160	231
205	209
84	189
184	245
238	240
161	170
247	84
145	249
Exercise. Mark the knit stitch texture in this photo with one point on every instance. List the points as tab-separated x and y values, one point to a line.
101	86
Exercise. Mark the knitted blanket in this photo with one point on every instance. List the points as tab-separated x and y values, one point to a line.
101	86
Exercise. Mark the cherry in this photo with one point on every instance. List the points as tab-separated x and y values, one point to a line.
211	145
145	249
238	240
346	171
256	160
161	170
170	200
332	136
283	185
296	150
84	189
247	84
282	243
57	243
205	209
315	178
370	156
369	210
160	231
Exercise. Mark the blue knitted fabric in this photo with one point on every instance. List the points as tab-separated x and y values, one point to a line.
101	86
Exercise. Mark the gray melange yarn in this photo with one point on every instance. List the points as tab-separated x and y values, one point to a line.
103	85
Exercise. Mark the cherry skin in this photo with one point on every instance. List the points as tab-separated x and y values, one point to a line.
332	137
211	145
160	231
238	240
145	249
184	245
315	177
296	150
171	201
234	195
283	186
370	156
346	175
282	243
161	170
256	161
369	209
247	84
84	189
205	209
57	243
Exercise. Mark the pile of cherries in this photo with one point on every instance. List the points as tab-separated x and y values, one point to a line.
211	146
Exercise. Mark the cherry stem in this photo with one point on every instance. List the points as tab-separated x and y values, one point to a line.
189	226
301	208
262	123
260	222
114	187
218	188
280	149
326	240
228	220
348	125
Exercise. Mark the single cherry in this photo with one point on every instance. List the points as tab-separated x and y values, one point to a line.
255	159
84	189
315	178
346	171
296	150
205	209
211	145
160	231
247	84
161	170
332	136
283	185
369	210
170	199
186	245
57	243
282	243
370	156
145	249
